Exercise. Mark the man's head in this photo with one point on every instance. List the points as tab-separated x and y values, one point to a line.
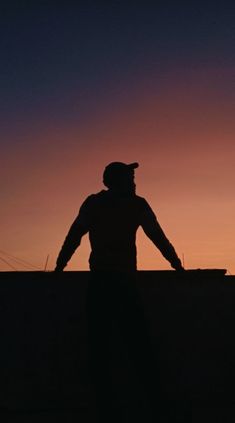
119	176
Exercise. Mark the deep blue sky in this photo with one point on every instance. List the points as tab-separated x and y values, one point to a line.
50	50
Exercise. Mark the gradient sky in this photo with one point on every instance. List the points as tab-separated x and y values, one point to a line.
83	85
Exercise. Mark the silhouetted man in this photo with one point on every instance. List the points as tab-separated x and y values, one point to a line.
112	217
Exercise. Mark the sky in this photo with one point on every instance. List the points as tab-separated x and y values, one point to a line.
87	83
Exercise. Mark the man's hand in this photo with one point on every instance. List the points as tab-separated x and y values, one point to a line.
58	269
177	265
180	269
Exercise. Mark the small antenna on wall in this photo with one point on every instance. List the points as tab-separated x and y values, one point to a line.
45	268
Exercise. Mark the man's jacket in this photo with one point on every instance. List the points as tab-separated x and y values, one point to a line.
112	221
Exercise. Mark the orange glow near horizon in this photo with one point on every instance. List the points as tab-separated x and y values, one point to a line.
182	134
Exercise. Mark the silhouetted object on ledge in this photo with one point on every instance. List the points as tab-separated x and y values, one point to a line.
112	218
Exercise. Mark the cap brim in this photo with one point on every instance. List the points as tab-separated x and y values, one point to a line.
133	165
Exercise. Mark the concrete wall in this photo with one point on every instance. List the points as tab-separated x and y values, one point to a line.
43	322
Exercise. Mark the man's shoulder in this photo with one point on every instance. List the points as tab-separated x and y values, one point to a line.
141	201
93	198
139	198
98	195
103	196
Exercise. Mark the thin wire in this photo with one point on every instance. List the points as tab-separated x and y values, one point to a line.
19	261
5	261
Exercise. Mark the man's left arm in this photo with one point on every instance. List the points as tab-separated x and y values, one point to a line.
154	231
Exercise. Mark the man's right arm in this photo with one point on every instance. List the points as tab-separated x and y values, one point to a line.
79	228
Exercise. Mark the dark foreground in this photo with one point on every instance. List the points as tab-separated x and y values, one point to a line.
44	367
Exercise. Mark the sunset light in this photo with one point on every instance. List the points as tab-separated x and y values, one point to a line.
175	117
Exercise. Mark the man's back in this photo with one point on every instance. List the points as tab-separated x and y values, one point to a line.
113	222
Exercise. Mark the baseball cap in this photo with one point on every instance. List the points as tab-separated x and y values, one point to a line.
117	170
